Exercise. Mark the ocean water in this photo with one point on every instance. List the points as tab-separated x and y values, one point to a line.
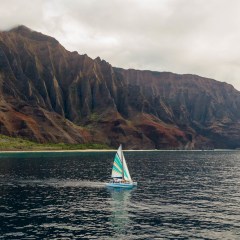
180	195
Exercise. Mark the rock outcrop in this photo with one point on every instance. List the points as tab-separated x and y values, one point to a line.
49	94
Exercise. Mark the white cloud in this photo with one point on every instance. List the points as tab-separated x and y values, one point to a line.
183	36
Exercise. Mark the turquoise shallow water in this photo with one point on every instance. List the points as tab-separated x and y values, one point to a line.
180	195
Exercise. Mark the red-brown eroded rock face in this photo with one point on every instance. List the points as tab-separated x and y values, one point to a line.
49	94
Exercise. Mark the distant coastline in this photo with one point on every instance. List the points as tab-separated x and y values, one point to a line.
18	145
109	150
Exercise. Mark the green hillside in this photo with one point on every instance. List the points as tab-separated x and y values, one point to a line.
19	144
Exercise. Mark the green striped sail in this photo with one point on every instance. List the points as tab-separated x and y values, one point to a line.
120	165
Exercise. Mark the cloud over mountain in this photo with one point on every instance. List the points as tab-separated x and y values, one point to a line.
197	36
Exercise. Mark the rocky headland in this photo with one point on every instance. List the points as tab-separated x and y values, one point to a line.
48	94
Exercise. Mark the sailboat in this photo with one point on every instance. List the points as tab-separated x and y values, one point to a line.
120	175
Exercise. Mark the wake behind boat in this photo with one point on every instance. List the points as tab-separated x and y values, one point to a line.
120	174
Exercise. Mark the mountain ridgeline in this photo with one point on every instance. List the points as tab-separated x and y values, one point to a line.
48	94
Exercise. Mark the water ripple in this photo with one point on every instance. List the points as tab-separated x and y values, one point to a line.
181	195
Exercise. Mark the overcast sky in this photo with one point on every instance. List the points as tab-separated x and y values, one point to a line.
182	36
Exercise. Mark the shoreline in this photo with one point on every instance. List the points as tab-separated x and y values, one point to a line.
112	150
43	151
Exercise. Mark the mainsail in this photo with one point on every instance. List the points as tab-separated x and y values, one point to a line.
120	165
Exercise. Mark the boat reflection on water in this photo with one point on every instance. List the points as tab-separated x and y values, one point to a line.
120	205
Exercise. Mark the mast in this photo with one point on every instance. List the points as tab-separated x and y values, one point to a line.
122	163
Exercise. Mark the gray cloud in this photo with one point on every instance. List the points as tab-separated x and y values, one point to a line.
182	36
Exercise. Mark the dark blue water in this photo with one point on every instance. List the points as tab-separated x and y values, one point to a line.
180	195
